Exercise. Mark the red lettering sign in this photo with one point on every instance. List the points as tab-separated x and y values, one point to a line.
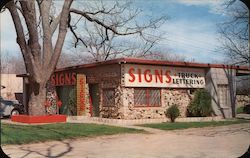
136	75
63	78
139	74
169	79
131	71
147	76
158	76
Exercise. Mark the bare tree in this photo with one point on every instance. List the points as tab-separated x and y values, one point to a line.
235	43
234	33
167	56
36	23
101	44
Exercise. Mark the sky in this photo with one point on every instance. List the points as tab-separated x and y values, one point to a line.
190	31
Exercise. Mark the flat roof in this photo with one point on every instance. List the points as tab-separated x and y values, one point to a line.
241	70
155	62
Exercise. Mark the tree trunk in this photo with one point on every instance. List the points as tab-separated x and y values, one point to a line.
37	99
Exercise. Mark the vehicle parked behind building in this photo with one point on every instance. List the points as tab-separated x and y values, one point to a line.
10	107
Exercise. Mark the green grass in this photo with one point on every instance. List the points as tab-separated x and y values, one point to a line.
22	134
185	125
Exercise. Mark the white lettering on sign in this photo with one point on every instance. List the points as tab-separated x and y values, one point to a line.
163	76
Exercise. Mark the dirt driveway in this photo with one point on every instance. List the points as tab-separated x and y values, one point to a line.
217	142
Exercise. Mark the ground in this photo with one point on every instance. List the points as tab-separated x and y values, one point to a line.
210	142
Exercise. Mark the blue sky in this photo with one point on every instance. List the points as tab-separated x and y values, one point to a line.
191	30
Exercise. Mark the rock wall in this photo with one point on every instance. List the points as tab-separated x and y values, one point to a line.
114	111
181	97
107	77
242	100
87	102
124	107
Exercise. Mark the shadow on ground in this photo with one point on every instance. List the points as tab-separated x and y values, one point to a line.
48	152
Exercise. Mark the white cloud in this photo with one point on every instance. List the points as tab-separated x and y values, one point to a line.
200	2
215	6
193	39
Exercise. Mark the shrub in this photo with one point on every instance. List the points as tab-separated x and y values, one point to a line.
200	106
172	112
240	110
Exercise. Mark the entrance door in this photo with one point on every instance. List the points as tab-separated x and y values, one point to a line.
95	97
67	94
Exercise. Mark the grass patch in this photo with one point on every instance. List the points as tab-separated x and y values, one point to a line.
22	134
185	125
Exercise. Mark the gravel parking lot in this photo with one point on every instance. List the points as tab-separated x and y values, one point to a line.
211	142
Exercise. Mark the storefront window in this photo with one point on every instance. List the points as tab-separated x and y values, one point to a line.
144	97
67	94
108	97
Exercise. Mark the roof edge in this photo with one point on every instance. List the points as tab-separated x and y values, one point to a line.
154	62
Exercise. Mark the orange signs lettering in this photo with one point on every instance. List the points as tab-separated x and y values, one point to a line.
81	94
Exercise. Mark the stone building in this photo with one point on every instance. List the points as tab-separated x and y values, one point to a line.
129	88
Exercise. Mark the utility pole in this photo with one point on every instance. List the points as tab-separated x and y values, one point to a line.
246	2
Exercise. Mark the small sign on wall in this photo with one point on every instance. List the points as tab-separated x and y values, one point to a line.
163	76
81	92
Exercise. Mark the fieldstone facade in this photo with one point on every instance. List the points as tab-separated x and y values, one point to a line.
114	87
115	110
180	97
106	78
124	106
242	100
87	103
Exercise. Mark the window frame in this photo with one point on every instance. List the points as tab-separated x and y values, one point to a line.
103	102
148	100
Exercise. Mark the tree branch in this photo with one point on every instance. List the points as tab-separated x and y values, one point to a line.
107	23
29	13
28	58
92	19
61	35
44	8
54	24
75	35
